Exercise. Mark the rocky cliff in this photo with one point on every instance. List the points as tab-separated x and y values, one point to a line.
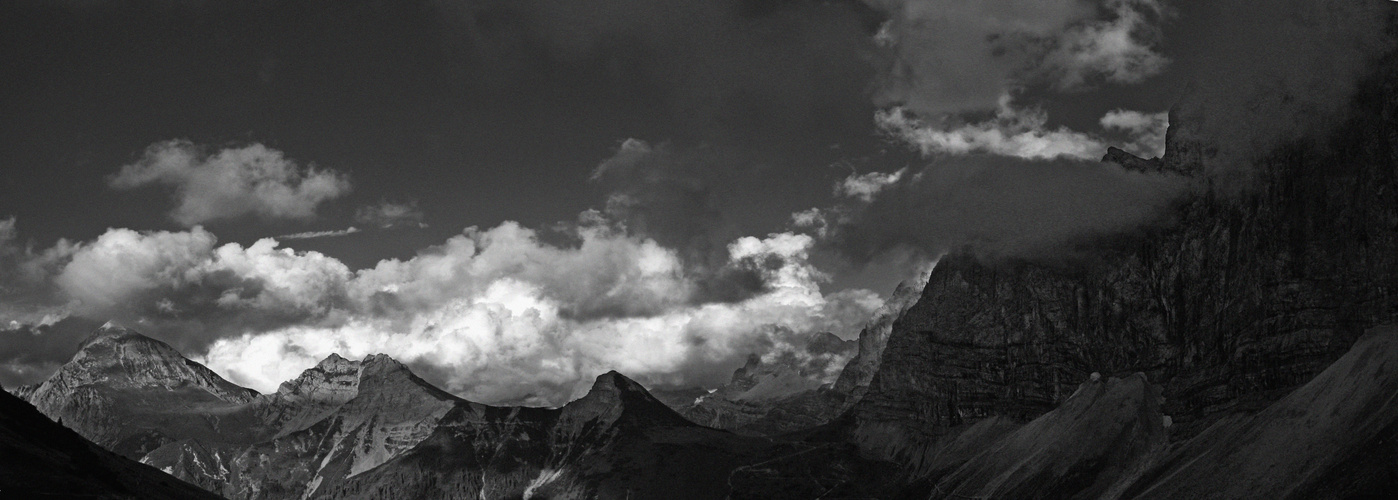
1228	304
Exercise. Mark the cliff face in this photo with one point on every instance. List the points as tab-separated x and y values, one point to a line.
1237	300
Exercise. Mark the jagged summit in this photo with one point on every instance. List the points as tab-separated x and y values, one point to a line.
613	396
334	378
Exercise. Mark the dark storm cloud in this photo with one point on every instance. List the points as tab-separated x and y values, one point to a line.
27	293
1276	74
1000	206
668	195
950	56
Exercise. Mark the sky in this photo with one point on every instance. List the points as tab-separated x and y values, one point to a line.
515	196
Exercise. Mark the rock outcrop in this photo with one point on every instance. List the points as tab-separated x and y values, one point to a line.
1230	303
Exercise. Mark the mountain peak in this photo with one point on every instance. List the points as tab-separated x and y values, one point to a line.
613	396
333	378
117	357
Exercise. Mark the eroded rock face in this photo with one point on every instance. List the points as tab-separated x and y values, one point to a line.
615	442
1229	304
379	413
1332	438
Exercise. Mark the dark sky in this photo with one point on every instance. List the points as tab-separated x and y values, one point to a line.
634	142
474	111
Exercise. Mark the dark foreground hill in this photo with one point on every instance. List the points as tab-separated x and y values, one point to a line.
42	459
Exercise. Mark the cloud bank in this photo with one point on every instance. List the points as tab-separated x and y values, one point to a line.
234	182
496	315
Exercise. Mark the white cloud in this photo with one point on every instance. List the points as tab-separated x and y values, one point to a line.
862	187
1017	133
234	182
1022	133
1120	50
185	283
490	309
319	234
496	314
1146	130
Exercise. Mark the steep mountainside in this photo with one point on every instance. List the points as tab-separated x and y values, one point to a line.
41	459
616	442
389	410
130	394
1234	303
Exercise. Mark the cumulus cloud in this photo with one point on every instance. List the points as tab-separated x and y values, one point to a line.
234	182
950	57
387	215
862	187
495	315
666	193
27	294
183	285
1024	133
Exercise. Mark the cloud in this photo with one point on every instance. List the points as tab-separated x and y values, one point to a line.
1023	133
234	182
27	294
1119	50
862	187
494	316
1145	131
666	193
319	234
497	314
1001	206
949	57
387	215
186	288
1272	76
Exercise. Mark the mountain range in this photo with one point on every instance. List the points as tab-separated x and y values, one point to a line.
1245	347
